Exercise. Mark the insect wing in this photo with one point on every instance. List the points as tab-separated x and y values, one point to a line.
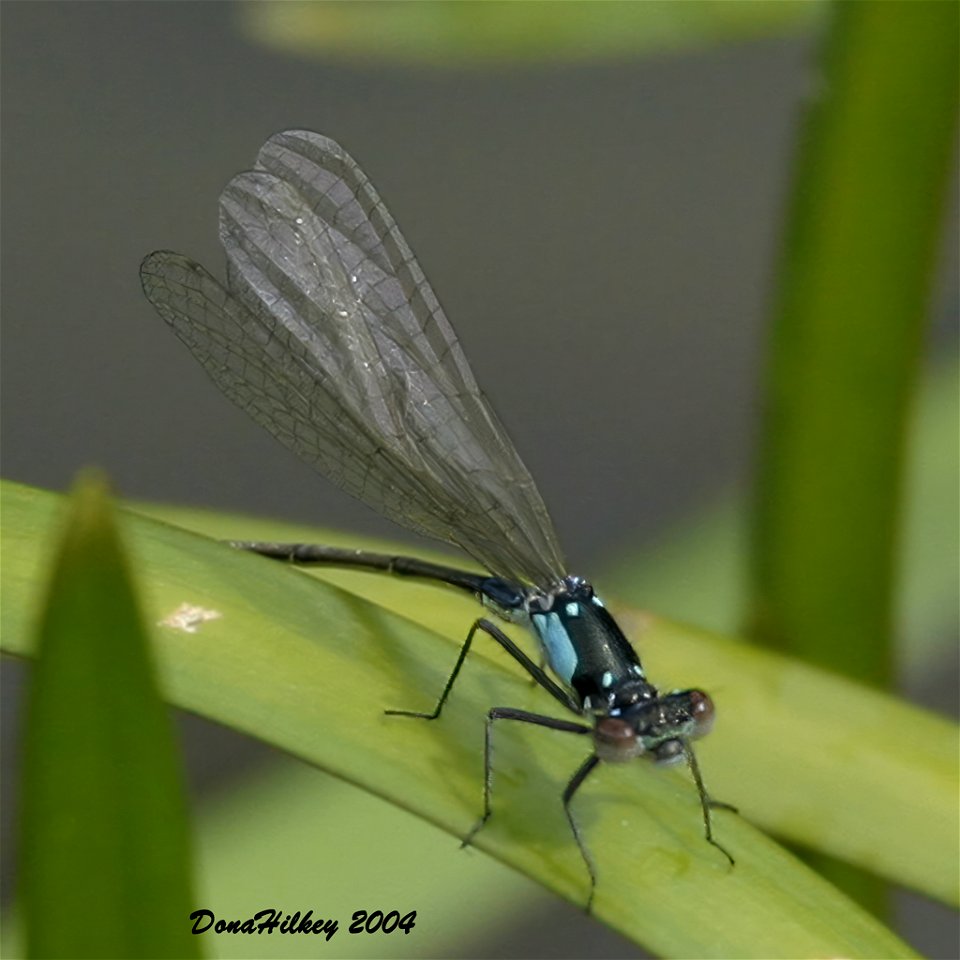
331	337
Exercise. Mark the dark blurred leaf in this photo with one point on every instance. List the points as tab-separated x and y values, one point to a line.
456	34
104	855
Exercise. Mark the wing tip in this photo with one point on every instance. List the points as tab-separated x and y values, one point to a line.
152	258
304	142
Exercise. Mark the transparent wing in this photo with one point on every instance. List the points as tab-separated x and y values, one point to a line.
329	335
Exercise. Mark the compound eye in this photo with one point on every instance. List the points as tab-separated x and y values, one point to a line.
615	740
703	713
670	751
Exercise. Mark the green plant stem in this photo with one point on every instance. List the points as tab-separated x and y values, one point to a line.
855	282
863	232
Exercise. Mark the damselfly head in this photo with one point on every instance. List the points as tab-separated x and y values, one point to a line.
658	726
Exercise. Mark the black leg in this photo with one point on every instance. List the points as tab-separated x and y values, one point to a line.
705	802
543	666
582	773
552	723
524	716
538	674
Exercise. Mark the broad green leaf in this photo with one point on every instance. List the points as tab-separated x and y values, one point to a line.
104	858
308	667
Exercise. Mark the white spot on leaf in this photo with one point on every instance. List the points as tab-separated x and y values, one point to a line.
188	617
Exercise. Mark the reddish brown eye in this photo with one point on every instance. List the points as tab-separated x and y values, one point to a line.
702	710
616	741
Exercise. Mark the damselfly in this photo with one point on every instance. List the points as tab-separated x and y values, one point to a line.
329	335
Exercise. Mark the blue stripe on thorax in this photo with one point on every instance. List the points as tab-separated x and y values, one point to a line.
556	644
